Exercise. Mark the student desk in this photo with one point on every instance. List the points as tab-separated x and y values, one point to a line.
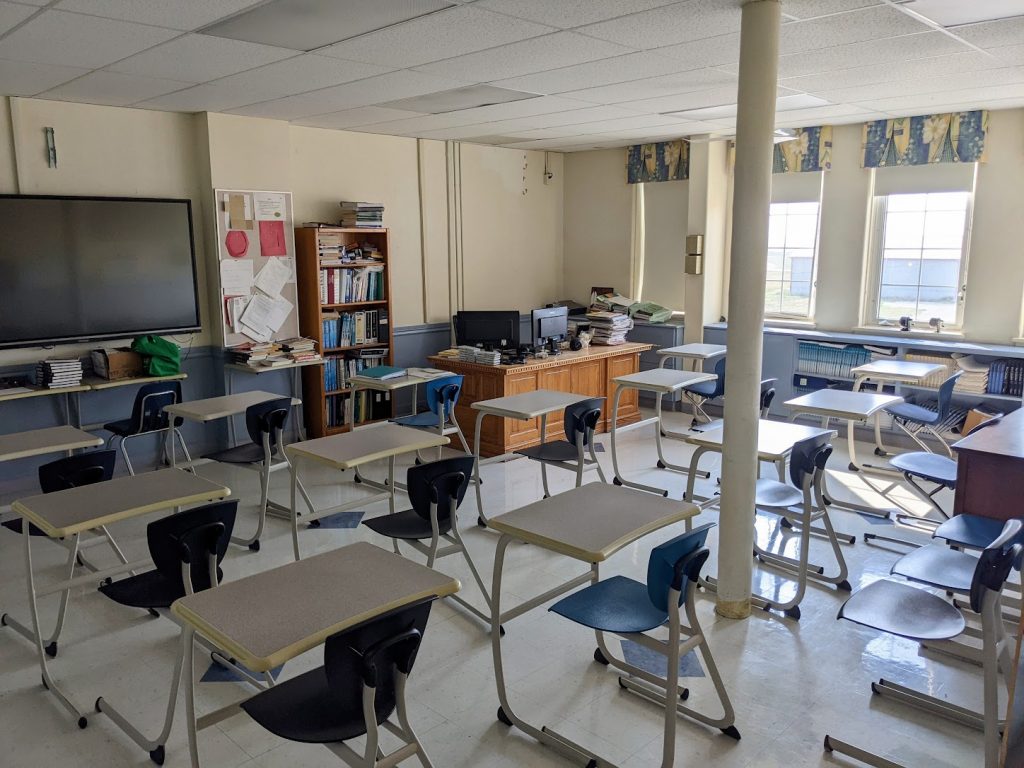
851	407
393	385
891	371
660	381
68	514
990	470
590	524
269	618
39	442
224	407
296	386
523	407
696	354
350	450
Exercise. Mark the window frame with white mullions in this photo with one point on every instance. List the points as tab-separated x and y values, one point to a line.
917	186
790	190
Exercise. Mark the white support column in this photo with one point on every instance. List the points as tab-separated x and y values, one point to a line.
759	61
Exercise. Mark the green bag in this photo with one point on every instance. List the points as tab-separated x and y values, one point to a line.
159	356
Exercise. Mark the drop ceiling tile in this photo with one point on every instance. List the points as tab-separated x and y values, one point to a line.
816	115
944	101
198	58
451	32
351	118
1009	54
309	24
180	14
970	61
112	88
73	40
670	25
949	13
709	52
361	93
619	69
980	82
653	87
459	99
854	27
684	101
567	14
12	15
810	9
22	78
37	3
307	72
537	54
990	34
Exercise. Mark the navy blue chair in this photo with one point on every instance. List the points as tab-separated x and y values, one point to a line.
915	419
580	420
442	394
360	685
148	418
705	391
906	611
629	609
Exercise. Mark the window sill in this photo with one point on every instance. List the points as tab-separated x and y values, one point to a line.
890	330
1017	342
782	322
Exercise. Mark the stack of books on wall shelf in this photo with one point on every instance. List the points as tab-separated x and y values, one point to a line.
1006	377
609	328
55	374
935	379
252	353
974	380
362	215
300	349
350	329
341	286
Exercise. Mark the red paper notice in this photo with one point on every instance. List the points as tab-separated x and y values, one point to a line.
272	238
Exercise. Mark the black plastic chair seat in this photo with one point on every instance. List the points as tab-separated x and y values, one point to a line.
306	710
938	566
618	604
929	466
902	610
703	388
556	450
15	524
425	420
250	453
972	531
121	428
145	590
772	493
914	413
408	524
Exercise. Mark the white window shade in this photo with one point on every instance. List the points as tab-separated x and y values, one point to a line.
917	179
665	220
796	187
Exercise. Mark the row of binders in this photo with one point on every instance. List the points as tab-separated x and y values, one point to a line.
56	374
341	285
364	405
1006	377
349	329
338	371
831	360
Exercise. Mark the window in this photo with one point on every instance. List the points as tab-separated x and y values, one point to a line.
921	241
792	250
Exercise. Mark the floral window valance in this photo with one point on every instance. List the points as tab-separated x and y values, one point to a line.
664	161
953	137
809	150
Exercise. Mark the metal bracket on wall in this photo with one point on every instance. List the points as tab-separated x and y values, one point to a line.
51	148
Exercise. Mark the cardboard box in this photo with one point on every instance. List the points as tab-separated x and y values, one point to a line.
975	416
116	364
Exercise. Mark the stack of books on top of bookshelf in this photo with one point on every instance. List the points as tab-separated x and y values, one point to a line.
362	215
253	353
55	374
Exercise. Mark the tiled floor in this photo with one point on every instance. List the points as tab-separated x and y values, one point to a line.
790	682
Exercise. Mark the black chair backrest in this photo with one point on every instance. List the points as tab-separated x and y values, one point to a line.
438	481
808	456
767	394
581	419
189	537
946	394
151	399
995	563
719	371
267	418
77	470
370	653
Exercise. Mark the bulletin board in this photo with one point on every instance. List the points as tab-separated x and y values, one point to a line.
256	266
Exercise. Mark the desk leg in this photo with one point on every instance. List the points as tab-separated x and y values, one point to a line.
543	464
188	669
617	478
294	471
391	496
228	387
300	416
481	517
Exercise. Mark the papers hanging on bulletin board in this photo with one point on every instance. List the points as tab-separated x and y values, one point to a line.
256	254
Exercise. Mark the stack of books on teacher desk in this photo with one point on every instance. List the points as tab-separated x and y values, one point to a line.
609	328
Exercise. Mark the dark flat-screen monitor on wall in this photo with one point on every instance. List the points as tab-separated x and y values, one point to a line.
84	268
494	329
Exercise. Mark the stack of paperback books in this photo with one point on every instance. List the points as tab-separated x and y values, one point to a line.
253	353
362	215
300	349
55	374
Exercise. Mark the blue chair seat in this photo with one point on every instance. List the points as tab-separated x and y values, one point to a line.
617	604
556	450
408	525
939	566
250	453
703	388
972	531
929	466
772	493
425	420
902	610
914	413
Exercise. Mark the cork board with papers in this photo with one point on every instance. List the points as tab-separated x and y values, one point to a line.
256	260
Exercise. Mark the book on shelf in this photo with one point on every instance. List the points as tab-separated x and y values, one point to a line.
361	214
343	286
351	329
57	373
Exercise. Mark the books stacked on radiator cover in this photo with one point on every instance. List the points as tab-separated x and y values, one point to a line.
609	328
253	353
56	374
362	215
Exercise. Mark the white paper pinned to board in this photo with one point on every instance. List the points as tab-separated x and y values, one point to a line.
236	277
273	276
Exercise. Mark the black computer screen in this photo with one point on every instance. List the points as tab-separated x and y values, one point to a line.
498	329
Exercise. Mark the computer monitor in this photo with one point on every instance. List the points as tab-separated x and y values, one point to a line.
496	329
550	324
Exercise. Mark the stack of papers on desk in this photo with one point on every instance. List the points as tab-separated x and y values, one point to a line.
609	328
484	357
467	354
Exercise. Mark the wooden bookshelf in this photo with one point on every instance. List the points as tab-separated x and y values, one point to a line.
315	396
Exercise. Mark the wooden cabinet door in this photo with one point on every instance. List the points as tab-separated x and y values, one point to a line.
519	434
560	380
629	407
